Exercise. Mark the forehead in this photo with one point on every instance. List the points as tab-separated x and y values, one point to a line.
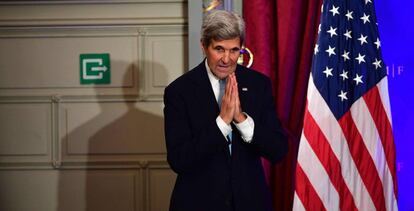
231	43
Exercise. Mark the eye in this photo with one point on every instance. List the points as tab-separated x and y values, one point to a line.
235	50
219	48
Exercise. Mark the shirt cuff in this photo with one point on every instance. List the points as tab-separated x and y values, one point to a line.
246	129
224	128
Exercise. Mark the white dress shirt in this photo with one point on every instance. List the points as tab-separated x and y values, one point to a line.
245	128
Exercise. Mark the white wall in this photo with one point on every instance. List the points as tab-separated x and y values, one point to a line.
68	146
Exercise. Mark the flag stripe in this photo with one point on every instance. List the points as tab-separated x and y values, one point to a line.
328	159
366	127
306	192
318	108
298	206
363	161
390	188
347	137
383	125
385	99
325	190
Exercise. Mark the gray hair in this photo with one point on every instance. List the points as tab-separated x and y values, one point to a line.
222	25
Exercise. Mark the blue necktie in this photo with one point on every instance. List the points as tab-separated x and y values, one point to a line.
222	84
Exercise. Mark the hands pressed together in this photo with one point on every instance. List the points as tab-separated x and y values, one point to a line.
230	103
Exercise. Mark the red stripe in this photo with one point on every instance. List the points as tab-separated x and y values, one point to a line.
378	113
306	192
363	161
323	150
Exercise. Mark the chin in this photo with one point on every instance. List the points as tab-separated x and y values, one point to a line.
220	74
224	74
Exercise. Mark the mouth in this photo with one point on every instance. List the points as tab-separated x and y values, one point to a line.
223	67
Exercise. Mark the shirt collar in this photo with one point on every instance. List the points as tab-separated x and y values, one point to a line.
211	76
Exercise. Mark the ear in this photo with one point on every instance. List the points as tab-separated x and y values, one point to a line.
202	47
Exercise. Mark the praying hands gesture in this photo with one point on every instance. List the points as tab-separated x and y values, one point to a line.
230	103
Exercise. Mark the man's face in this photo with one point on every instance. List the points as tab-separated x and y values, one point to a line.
222	56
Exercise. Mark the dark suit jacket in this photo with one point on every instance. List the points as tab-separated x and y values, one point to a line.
208	177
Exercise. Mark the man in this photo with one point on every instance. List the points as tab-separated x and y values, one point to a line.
219	120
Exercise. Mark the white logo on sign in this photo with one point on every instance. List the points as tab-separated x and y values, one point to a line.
101	69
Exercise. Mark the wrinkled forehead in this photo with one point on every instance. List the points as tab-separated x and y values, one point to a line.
228	43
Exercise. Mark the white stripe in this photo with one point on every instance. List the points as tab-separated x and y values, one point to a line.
297	203
369	133
390	198
388	180
383	90
366	127
317	175
333	132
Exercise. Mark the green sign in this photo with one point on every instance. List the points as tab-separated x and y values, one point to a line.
95	69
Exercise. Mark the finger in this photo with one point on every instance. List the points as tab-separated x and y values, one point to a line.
226	89
231	76
238	104
234	91
230	84
234	83
233	80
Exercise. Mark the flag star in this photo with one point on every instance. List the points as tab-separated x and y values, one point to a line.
346	55
363	39
377	43
316	49
332	31
328	71
343	96
331	51
365	18
322	8
334	10
368	1
344	75
377	63
360	58
319	28
358	79
349	15
348	34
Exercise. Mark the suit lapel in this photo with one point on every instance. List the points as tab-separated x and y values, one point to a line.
207	104
204	93
244	89
205	97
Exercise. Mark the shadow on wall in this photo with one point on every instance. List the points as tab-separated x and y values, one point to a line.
119	131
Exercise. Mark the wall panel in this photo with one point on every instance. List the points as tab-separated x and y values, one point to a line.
105	12
25	132
69	146
164	58
70	190
46	60
105	130
159	180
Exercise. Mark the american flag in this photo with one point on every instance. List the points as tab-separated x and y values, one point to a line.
346	158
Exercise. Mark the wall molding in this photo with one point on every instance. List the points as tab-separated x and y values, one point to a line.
106	12
43	2
139	67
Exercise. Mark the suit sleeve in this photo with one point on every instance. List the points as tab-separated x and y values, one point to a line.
269	138
188	149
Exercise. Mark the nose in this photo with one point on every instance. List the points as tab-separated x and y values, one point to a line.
226	57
